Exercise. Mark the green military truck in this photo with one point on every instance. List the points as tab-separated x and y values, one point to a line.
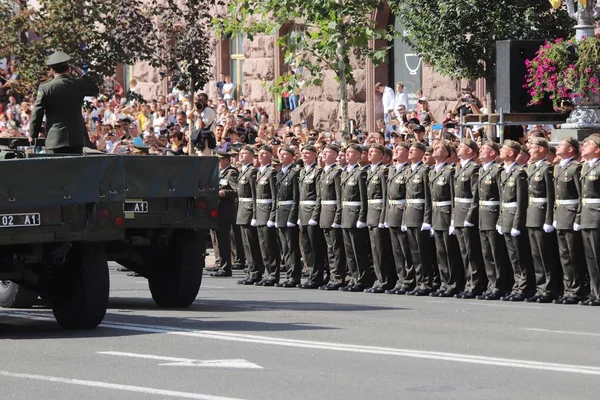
63	217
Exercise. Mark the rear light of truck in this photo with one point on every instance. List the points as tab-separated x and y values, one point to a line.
200	205
119	221
103	213
214	213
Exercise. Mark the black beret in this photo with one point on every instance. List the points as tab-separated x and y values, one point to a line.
266	148
406	145
525	149
493	145
419	128
573	142
223	154
332	147
516	146
356	147
377	146
310	147
288	149
539	141
248	148
428	149
472	144
419	146
388	152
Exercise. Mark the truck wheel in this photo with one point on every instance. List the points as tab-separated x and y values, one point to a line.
13	295
81	294
175	274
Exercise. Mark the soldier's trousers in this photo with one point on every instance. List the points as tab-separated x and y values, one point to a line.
405	270
519	254
420	251
382	257
591	247
544	257
215	246
312	244
470	249
357	256
238	255
493	251
269	248
334	239
290	248
224	245
449	262
256	267
570	250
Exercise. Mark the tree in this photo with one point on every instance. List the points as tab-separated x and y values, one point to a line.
333	31
458	37
97	34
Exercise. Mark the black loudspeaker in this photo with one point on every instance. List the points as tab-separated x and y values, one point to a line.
510	76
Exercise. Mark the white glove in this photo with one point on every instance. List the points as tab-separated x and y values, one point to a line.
515	232
386	225
253	222
468	224
336	226
451	230
312	222
425	226
290	224
360	225
554	224
381	226
431	232
270	224
576	227
403	228
298	223
499	229
548	228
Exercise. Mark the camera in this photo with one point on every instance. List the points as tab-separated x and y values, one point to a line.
111	133
200	105
163	131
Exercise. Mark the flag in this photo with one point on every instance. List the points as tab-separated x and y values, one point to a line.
556	3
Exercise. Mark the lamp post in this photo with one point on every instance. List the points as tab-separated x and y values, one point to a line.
586	114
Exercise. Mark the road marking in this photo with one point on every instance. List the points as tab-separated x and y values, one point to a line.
188	362
503	305
115	386
562	332
275	341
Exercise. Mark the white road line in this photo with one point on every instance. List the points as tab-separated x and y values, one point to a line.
274	341
562	332
115	386
232	363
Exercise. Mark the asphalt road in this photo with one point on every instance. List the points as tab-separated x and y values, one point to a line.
240	342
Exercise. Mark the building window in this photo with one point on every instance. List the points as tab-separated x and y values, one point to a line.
237	64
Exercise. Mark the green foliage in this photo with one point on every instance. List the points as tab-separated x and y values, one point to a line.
101	34
324	25
458	37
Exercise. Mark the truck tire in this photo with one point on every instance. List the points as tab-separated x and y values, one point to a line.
175	275
81	295
13	295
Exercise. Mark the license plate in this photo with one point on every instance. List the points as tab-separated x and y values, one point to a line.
135	207
16	220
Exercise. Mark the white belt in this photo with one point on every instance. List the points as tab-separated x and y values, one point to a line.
568	202
264	201
329	202
415	201
308	203
245	199
441	203
396	202
510	205
590	201
351	203
489	203
375	201
538	200
286	203
463	200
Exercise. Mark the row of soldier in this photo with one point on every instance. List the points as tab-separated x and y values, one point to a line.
468	222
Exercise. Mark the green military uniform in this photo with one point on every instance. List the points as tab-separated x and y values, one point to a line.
265	222
567	212
60	100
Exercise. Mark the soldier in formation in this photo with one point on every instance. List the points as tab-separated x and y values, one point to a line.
473	221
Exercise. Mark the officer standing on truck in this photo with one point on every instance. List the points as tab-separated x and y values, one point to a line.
60	99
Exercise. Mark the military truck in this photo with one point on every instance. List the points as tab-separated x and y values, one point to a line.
149	214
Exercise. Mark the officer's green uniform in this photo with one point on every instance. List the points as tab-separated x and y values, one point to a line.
61	99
